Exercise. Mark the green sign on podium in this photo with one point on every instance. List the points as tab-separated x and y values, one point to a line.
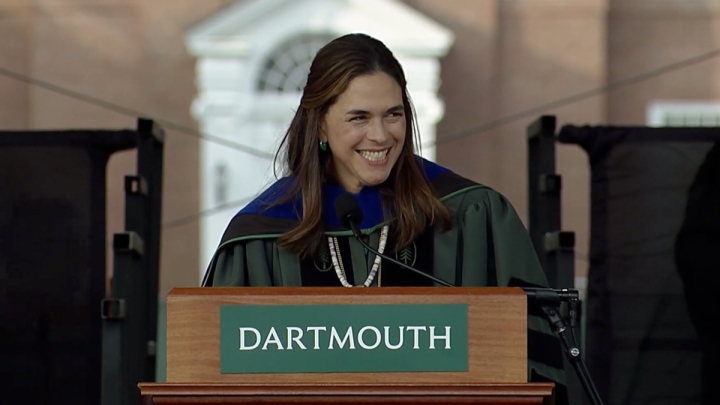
343	338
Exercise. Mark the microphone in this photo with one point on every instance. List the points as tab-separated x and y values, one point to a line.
350	215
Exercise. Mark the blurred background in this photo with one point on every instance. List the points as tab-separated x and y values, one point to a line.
222	79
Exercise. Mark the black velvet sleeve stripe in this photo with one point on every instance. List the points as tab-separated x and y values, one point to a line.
536	310
545	349
516	282
319	271
250	225
561	392
420	254
449	182
533	309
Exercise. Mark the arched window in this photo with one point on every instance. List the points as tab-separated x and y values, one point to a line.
286	69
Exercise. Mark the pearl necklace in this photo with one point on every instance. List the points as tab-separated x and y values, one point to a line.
338	265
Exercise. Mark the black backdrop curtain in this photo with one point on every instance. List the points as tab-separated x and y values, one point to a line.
642	347
52	263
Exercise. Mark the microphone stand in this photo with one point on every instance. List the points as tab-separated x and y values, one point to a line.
549	301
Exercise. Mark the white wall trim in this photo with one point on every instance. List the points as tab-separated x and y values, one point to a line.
658	112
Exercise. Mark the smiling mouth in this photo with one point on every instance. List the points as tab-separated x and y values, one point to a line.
374	156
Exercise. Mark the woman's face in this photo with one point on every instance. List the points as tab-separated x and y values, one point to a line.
365	131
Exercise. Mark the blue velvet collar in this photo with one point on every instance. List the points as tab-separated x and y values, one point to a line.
368	198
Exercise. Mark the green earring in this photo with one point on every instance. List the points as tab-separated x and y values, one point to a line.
323	146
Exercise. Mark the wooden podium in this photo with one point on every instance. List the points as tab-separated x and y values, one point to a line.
496	352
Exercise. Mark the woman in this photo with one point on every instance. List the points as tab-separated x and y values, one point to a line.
353	133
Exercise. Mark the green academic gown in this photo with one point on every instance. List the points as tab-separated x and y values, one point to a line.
487	246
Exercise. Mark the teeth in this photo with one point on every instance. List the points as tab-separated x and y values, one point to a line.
374	156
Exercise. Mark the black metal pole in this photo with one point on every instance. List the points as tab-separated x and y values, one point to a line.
559	248
130	312
121	315
574	355
150	168
544	186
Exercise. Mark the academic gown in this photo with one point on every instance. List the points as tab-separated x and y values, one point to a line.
487	246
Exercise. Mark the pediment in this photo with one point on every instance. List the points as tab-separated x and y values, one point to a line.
252	26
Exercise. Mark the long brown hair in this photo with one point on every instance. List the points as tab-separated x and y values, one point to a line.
407	197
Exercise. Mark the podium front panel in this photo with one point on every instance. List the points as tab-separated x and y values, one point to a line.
308	334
